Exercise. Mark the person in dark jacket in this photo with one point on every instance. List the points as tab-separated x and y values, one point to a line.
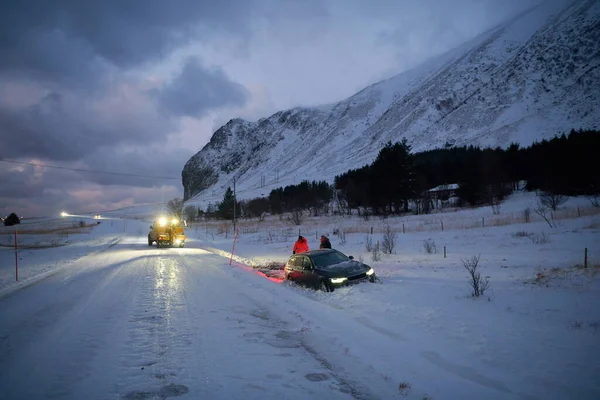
301	245
325	243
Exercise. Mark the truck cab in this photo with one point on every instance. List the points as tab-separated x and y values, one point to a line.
166	232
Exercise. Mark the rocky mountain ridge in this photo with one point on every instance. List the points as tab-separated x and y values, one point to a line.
531	78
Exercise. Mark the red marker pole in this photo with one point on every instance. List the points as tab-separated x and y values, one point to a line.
233	247
16	259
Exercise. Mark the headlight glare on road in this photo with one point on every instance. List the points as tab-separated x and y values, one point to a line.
370	272
338	280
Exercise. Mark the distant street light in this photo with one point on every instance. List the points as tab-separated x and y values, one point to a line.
64	214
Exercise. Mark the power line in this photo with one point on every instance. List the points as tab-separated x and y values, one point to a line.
87	170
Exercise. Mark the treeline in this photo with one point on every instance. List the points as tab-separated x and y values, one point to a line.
398	180
313	196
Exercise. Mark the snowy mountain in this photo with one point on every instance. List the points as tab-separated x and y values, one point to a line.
533	77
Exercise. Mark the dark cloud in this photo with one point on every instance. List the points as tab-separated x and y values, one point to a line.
71	40
199	89
65	127
75	41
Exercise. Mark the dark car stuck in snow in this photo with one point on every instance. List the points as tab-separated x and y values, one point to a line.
326	269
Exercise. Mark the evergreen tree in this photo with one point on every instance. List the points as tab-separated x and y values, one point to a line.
393	177
225	209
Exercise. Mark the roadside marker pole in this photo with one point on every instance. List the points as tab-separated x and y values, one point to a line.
233	247
16	258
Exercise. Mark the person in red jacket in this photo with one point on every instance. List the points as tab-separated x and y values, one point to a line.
301	245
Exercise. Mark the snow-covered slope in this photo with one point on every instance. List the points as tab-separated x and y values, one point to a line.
531	78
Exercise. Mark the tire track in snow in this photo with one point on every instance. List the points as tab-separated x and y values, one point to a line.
156	338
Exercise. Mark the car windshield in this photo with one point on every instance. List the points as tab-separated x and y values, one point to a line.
327	259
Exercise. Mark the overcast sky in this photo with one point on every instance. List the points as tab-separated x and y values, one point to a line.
139	86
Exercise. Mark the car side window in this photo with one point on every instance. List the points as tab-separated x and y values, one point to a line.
298	262
306	263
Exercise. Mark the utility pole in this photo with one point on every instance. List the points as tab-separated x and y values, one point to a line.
234	201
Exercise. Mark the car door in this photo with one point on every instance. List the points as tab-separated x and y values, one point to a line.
310	277
294	271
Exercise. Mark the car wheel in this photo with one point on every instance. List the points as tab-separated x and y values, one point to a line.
324	287
372	278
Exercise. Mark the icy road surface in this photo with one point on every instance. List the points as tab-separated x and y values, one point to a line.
135	322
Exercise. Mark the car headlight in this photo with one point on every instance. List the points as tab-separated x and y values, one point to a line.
338	280
370	272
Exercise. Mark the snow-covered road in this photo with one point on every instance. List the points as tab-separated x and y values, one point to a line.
136	322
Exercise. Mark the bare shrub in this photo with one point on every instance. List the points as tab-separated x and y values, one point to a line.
389	240
175	207
520	234
552	200
594	199
376	252
222	229
190	212
496	209
542	210
429	246
342	237
478	284
369	243
366	215
539	238
295	217
527	215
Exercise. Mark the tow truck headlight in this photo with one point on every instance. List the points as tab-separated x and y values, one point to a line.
370	272
338	280
177	241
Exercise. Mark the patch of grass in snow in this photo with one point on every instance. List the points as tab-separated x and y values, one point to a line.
546	276
594	326
404	388
540	238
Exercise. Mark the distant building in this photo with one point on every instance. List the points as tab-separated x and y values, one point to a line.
443	195
443	192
